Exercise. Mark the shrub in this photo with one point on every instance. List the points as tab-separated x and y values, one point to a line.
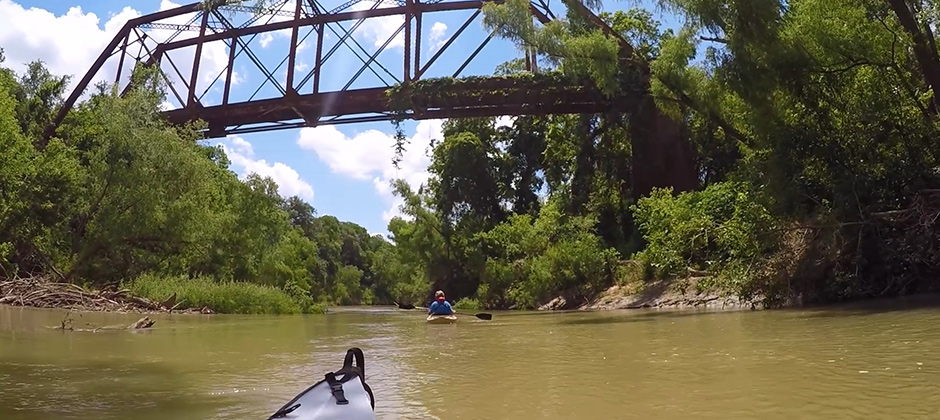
722	226
222	297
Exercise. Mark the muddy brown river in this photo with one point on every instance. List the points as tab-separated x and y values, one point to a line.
872	362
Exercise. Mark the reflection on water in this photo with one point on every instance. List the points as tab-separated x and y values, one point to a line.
833	363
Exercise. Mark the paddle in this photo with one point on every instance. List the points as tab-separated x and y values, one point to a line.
482	315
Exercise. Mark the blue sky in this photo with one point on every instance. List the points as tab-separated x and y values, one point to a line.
342	170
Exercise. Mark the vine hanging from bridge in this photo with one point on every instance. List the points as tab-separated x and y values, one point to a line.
540	90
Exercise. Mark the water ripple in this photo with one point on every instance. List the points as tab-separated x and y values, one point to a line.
815	365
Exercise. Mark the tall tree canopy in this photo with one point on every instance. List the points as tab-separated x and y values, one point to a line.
121	194
813	125
776	150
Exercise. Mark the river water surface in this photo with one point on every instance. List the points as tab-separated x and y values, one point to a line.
834	363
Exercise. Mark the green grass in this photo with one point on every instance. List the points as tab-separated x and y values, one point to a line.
221	297
468	304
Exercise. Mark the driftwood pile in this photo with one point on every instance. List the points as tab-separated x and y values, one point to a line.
921	216
42	293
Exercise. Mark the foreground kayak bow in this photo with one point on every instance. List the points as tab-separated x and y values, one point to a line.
341	395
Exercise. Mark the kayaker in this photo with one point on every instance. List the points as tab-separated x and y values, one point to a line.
440	306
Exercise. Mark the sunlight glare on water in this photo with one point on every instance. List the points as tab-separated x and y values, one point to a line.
826	364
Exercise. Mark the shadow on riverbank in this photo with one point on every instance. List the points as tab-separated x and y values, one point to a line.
872	306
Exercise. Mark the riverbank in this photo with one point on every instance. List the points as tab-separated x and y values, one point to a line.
669	293
153	294
150	294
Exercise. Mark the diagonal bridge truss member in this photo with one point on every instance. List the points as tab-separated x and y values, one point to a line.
293	93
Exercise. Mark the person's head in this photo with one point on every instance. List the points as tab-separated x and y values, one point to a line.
439	295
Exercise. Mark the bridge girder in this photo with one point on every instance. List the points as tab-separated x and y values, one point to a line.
301	100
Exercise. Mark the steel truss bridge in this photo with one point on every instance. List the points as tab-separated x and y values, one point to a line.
292	92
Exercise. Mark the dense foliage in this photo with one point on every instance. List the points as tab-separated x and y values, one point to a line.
813	125
120	195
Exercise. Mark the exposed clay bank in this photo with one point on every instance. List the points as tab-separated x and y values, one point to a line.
659	294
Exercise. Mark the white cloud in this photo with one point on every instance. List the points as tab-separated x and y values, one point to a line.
265	39
379	29
368	155
242	155
241	146
68	43
213	60
301	66
436	38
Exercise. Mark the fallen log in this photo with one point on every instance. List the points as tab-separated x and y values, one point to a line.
405	305
67	324
142	323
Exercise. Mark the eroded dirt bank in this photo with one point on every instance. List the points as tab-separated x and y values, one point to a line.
658	294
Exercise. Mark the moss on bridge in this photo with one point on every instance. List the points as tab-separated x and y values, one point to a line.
549	92
420	93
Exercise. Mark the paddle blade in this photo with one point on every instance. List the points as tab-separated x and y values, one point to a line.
484	316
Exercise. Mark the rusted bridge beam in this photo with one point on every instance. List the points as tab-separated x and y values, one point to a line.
122	34
331	18
490	98
293	108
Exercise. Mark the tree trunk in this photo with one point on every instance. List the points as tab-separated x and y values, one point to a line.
925	55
